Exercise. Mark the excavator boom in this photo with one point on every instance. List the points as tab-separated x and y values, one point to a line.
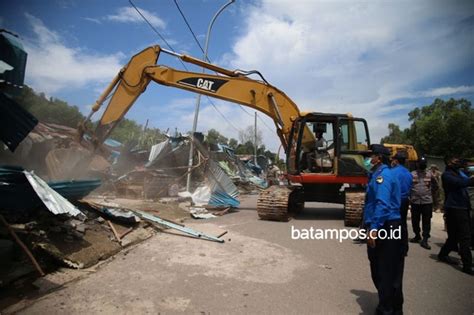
232	86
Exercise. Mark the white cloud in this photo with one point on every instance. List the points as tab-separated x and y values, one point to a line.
96	21
53	66
358	57
130	15
448	91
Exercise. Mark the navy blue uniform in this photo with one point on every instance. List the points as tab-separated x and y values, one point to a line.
382	212
457	206
405	179
382	199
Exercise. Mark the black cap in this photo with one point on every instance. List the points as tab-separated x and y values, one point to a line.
422	163
400	156
422	160
379	149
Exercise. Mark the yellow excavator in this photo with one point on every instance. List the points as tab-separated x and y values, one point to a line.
408	150
324	152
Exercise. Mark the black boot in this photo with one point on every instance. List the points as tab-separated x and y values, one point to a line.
424	244
416	239
447	259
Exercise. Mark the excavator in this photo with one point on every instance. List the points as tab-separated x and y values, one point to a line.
407	149
324	152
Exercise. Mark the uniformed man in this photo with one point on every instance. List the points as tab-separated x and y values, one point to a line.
382	217
405	179
457	206
421	199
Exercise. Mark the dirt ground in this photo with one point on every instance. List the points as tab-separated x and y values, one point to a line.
259	269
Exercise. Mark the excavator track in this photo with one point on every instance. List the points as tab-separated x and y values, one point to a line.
353	208
273	203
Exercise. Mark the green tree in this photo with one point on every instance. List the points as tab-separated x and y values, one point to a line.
214	137
395	135
51	110
442	128
233	143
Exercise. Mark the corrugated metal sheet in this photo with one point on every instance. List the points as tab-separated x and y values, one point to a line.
219	198
55	203
75	189
22	191
156	150
219	181
15	122
16	193
12	53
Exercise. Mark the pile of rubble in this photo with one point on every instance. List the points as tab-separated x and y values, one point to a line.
81	205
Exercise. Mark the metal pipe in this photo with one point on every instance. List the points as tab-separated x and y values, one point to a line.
198	98
255	139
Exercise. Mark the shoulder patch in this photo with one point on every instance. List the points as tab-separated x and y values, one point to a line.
379	179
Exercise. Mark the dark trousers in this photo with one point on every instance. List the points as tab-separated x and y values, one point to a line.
387	262
425	211
459	232
403	213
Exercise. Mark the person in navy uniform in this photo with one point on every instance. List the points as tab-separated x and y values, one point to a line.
382	218
456	208
405	180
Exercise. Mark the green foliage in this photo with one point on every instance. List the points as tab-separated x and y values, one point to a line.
53	110
214	137
395	135
57	111
442	128
233	143
129	131
126	131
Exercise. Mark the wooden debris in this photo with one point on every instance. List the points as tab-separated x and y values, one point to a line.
23	246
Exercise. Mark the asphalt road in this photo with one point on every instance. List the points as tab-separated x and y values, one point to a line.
258	270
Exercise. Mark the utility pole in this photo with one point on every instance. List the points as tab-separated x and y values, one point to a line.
198	98
255	142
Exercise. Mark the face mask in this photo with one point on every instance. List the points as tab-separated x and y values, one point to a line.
368	163
456	166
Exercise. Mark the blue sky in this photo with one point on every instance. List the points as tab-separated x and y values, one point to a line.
375	59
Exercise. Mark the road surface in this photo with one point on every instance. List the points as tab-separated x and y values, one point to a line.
260	269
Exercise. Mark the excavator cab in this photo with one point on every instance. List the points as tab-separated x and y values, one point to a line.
337	148
329	166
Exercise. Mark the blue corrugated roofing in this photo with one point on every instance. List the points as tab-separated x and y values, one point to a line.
16	192
75	189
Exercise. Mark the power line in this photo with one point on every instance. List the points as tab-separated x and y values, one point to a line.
263	121
199	44
242	108
172	49
205	56
228	121
156	31
190	28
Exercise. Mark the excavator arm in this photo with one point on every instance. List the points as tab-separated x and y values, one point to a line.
232	86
